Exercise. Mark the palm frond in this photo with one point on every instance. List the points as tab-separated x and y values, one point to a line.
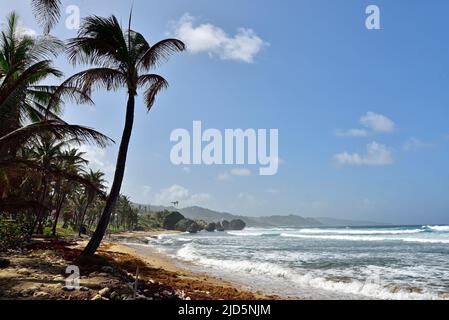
160	52
85	81
47	12
100	41
26	167
156	83
60	130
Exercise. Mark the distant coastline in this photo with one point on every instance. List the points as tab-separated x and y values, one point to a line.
208	215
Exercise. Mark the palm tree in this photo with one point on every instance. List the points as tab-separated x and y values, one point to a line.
122	59
72	162
96	178
30	109
45	152
24	63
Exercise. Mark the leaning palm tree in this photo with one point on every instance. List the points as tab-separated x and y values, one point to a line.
47	12
122	59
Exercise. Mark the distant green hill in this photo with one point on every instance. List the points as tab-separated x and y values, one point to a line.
199	213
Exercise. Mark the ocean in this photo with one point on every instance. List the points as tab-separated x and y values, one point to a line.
400	262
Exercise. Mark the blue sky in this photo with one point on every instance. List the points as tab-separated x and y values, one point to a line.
362	114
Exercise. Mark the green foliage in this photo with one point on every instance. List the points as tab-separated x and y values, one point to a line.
149	221
60	231
184	225
12	235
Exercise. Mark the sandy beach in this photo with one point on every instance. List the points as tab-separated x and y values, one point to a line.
39	274
174	274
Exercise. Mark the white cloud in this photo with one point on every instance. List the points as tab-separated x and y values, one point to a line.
272	191
146	191
210	39
377	122
24	31
98	158
352	133
415	144
199	199
241	172
181	194
377	155
223	177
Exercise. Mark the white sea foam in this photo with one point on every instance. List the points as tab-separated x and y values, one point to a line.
372	287
360	232
438	228
244	234
251	233
363	238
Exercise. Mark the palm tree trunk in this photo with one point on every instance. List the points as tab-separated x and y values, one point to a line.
98	235
40	212
58	212
81	222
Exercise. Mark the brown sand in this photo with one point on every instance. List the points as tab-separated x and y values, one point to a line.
39	273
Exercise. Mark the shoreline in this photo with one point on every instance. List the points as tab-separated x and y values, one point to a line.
39	273
158	259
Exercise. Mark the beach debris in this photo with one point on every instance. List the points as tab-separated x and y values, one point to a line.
59	278
41	294
114	296
69	288
104	292
4	263
24	272
97	297
84	288
107	269
140	297
167	293
28	291
136	283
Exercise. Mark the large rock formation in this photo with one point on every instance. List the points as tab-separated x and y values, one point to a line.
170	220
187	225
237	224
210	227
219	227
226	225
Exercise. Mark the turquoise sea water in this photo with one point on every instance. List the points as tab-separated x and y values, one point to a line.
402	262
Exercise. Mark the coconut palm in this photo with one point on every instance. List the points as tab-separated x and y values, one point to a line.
25	62
96	179
73	162
29	108
45	152
122	59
